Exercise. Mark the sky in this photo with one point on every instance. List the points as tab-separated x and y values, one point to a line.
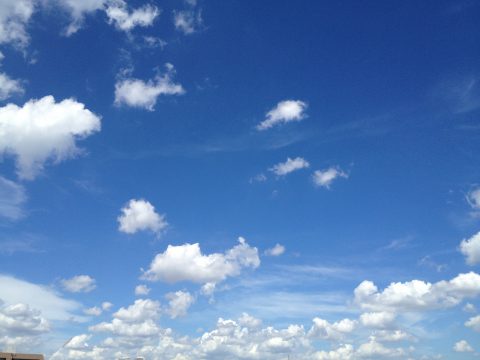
239	179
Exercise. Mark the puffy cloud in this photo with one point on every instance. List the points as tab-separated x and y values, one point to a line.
140	215
462	346
93	311
12	198
20	319
277	250
9	87
106	306
51	305
187	21
138	93
392	336
123	19
286	111
179	303
474	323
187	263
142	290
418	295
470	308
471	249
380	319
44	130
344	352
137	320
374	349
249	321
79	283
331	331
14	18
324	178
289	166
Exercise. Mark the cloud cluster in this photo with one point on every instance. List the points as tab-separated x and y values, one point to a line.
43	130
290	165
187	263
144	94
140	215
119	15
284	112
79	284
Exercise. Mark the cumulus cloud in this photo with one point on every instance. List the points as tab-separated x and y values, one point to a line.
44	130
78	342
12	198
9	87
417	295
473	198
137	320
187	263
324	178
140	215
79	284
380	319
51	305
141	290
14	18
144	94
277	250
331	331
20	319
106	306
462	346
474	323
286	111
289	166
93	311
179	302
77	10
470	248
119	15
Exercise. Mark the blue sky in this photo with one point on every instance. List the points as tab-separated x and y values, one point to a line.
240	179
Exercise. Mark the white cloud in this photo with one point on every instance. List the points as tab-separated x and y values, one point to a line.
289	166
417	295
331	331
12	198
179	302
324	178
20	319
392	336
380	319
344	352
249	321
79	283
462	346
473	198
44	130
474	323
374	349
470	308
106	306
14	19
78	342
138	320
77	11
51	305
9	87
138	93
123	19
140	215
93	311
187	21
471	249
285	111
187	263
277	250
141	290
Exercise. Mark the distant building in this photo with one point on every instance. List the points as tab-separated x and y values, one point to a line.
12	356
